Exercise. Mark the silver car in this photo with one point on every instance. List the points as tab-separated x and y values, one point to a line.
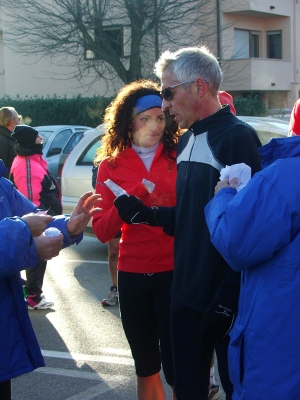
76	176
267	127
59	141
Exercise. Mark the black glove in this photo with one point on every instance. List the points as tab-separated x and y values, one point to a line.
216	322
133	211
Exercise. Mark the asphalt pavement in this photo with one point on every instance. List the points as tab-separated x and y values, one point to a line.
85	350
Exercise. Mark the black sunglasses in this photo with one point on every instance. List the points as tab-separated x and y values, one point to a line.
167	92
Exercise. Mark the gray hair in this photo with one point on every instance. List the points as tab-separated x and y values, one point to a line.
6	114
191	63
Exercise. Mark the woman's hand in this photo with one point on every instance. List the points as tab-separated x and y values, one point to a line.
82	213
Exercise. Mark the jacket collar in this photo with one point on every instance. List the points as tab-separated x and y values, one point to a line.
213	120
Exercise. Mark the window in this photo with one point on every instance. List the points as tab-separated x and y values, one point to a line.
246	43
59	141
88	155
274	44
117	36
254	44
77	136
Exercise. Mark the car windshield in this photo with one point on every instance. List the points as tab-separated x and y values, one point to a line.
45	134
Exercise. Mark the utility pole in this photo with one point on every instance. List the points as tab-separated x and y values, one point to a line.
219	55
156	44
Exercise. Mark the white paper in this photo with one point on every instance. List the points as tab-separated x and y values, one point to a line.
241	171
149	185
116	189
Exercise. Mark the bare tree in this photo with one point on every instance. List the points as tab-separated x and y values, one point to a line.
118	40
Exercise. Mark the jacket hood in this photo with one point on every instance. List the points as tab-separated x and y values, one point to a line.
3	169
280	148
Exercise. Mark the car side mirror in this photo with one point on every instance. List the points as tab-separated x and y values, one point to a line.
55	150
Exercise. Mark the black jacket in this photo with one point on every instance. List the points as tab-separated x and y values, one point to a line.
7	146
200	272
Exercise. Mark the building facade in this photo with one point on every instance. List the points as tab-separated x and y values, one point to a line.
260	49
256	41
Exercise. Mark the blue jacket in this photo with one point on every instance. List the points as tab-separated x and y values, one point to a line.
257	232
19	349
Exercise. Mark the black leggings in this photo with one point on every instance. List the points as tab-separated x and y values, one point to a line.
5	390
145	313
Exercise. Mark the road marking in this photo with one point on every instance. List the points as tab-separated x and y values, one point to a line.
107	382
88	357
80	261
94	376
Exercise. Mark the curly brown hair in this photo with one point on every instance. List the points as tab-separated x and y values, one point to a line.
119	115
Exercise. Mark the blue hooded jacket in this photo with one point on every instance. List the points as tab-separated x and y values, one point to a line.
19	349
257	232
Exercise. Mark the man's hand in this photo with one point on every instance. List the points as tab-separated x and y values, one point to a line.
83	212
225	183
133	211
37	223
216	322
48	247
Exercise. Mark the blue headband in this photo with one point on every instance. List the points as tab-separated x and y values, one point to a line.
146	102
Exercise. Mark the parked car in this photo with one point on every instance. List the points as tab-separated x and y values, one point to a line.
77	170
76	177
58	141
267	127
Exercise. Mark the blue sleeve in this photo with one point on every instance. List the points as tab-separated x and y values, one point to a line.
17	250
247	228
19	204
60	222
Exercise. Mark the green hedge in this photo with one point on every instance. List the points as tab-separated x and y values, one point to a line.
250	106
89	111
59	111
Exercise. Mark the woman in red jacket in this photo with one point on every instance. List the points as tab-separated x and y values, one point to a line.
139	144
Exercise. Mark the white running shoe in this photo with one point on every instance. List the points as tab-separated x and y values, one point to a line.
112	297
42	305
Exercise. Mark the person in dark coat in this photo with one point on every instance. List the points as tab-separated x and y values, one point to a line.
9	119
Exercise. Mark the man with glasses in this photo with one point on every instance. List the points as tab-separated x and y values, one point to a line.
9	119
205	289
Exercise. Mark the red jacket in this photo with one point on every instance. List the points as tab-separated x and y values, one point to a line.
143	249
